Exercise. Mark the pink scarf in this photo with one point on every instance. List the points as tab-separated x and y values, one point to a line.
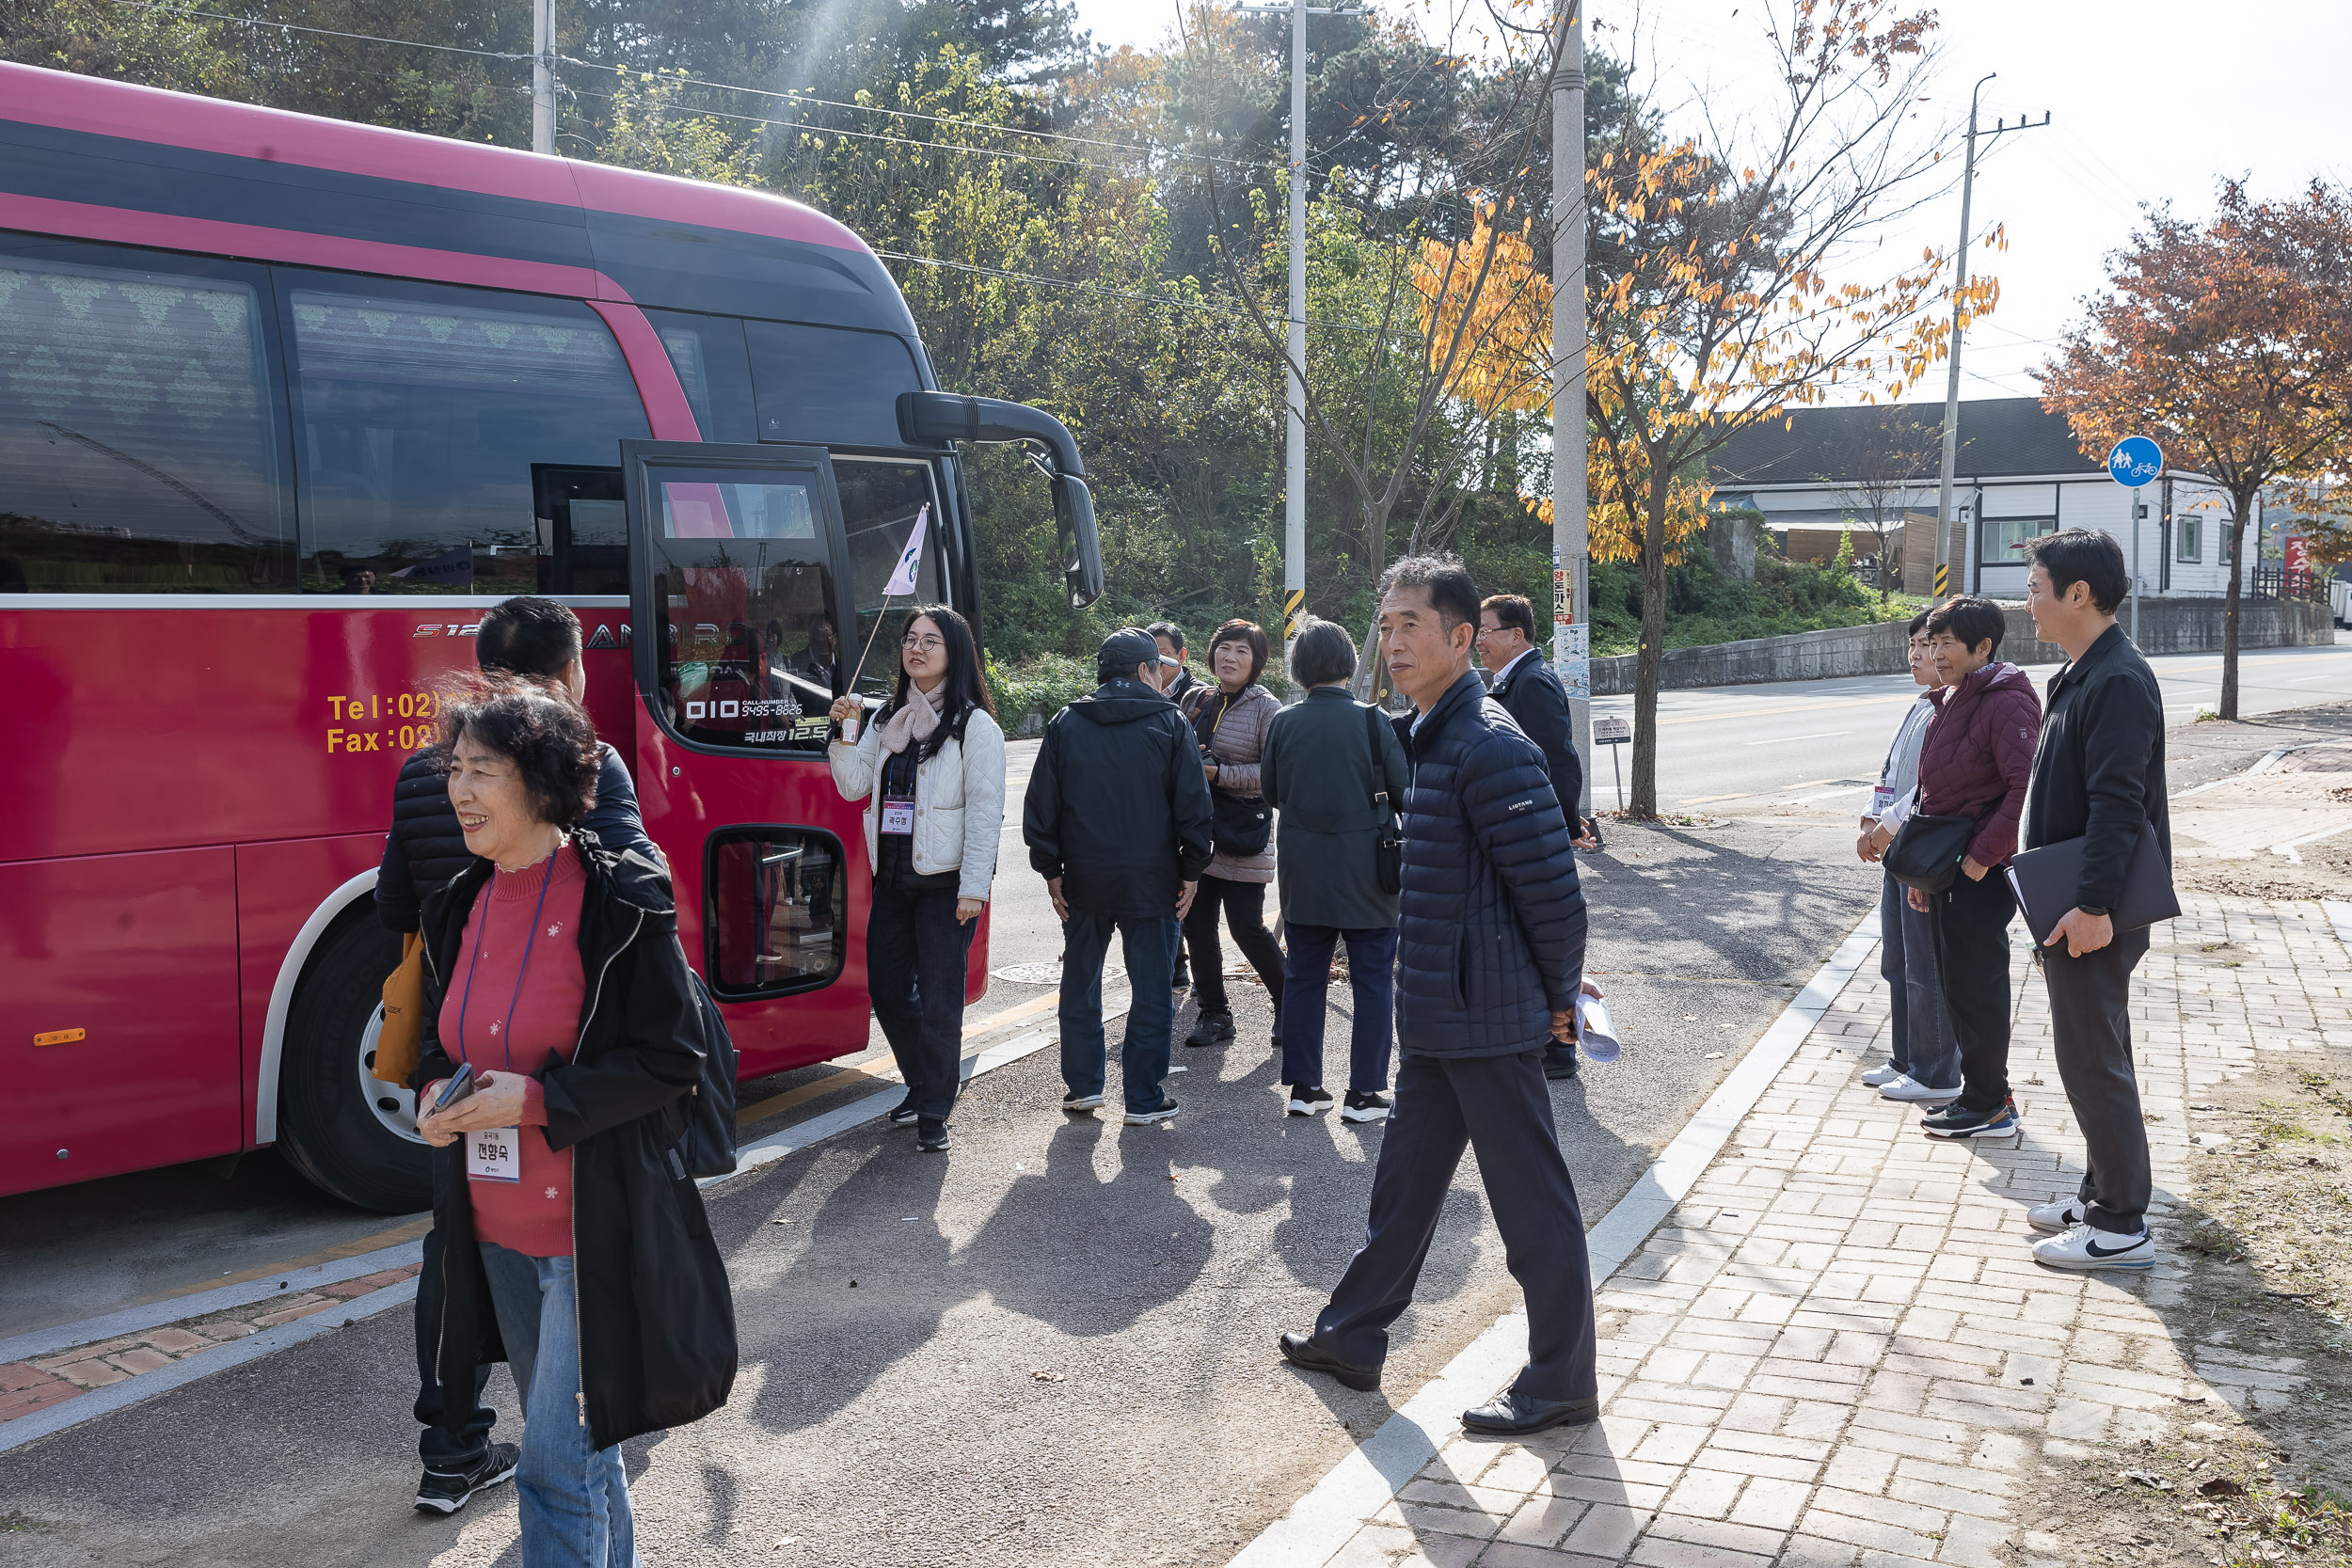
917	721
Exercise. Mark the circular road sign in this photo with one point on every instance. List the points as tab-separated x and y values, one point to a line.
2134	461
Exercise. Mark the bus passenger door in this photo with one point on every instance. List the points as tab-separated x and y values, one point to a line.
738	594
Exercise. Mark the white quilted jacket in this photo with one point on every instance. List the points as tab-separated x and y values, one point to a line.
959	800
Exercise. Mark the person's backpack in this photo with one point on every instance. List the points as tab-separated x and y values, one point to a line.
708	1144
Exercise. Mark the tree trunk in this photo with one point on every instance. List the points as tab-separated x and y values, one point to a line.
1649	659
2245	499
1372	670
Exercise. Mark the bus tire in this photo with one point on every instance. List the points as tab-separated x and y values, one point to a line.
347	1132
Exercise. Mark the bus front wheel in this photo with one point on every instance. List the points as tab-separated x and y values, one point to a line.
347	1131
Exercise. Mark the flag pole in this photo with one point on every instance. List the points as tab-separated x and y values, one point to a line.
849	726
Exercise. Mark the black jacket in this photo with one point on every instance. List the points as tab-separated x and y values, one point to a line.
2098	772
1538	703
1320	770
1490	939
657	1319
1117	806
425	848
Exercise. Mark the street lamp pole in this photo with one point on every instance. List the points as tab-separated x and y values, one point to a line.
542	75
1571	580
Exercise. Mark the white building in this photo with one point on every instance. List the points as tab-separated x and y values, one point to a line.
2020	474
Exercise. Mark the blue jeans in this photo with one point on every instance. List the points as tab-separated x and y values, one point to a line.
1921	1045
573	1498
1306	979
1150	948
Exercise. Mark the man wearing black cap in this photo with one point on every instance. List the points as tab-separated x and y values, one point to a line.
1117	821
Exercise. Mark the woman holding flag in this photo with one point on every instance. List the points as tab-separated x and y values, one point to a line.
930	769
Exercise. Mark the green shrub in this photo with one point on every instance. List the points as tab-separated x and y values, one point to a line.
1046	684
1704	605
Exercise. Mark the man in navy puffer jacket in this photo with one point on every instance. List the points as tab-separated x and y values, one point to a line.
1490	957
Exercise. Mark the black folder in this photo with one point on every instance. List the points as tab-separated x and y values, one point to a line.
2045	881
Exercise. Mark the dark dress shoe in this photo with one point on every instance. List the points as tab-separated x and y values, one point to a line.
1301	1351
1512	1414
1560	1062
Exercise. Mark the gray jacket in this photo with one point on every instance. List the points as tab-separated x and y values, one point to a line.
1240	741
1317	772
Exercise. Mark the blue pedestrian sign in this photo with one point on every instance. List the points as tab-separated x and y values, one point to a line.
2134	461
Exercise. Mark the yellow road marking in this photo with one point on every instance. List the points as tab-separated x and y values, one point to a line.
1703	799
335	1254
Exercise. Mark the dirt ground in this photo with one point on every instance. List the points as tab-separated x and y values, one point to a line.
2267	1228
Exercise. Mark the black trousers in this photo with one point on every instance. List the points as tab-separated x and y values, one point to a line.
1244	904
2091	1033
1972	959
916	952
435	1445
1499	1107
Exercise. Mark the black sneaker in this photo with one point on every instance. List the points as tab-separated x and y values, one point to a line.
1957	1121
930	1137
1164	1111
904	1111
1082	1105
1560	1062
447	1491
1211	1029
1364	1105
1305	1099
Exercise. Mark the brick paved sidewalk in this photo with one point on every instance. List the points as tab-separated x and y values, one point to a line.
26	1386
1837	1351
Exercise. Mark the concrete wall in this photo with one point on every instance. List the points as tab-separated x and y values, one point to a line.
2167	626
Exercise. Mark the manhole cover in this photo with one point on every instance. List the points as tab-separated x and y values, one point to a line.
1049	975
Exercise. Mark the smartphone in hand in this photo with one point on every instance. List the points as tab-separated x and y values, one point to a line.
461	1084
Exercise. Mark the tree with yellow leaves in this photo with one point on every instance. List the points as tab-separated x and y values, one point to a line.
1713	307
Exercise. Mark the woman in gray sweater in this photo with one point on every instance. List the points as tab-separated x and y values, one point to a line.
1230	720
1327	762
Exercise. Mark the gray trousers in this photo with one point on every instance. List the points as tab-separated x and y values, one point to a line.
1922	1046
2091	1033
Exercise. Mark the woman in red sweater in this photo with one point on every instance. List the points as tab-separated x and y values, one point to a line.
553	972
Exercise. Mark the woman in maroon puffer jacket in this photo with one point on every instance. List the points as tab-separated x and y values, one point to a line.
1975	762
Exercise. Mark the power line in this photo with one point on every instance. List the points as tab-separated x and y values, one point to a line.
1108	294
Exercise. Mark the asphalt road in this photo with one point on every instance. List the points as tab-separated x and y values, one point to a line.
1725	744
898	1311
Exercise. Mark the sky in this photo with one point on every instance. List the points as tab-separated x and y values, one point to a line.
2150	102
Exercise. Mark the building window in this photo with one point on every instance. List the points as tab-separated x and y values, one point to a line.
2004	539
2190	531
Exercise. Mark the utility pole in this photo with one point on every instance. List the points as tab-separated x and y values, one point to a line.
1295	423
1959	282
542	75
1571	579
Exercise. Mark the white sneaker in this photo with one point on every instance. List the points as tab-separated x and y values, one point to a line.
1912	1089
1885	1072
2086	1246
2052	1218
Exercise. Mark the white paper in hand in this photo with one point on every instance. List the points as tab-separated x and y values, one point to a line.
1593	1032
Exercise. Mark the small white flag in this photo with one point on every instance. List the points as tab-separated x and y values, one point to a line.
902	580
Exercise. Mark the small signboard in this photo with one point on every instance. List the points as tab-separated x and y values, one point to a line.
1612	732
2136	461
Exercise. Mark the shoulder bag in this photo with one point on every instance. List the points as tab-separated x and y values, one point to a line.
400	1043
1928	850
1387	845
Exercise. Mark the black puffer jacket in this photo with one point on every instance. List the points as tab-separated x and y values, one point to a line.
657	1318
1117	806
425	849
1490	938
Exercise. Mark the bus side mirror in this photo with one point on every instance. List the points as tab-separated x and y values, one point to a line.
1073	518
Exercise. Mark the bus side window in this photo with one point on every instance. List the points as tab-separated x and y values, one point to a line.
141	444
881	501
708	353
829	385
420	412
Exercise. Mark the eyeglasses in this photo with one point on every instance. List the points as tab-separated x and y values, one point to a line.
923	644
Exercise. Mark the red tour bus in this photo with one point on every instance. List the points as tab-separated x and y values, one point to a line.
285	404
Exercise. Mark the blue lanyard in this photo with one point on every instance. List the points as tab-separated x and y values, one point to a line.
506	1028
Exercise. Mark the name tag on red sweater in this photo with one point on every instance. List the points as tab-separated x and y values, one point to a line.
494	1154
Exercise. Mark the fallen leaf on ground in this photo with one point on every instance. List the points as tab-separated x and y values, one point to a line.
1047	1377
2149	1479
2222	1487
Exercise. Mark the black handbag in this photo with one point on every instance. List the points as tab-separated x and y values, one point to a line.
1387	845
1928	850
1242	826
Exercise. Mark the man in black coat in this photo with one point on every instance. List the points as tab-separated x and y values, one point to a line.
1532	693
526	636
1490	959
2098	776
1117	821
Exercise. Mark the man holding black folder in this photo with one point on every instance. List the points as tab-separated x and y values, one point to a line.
2098	776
